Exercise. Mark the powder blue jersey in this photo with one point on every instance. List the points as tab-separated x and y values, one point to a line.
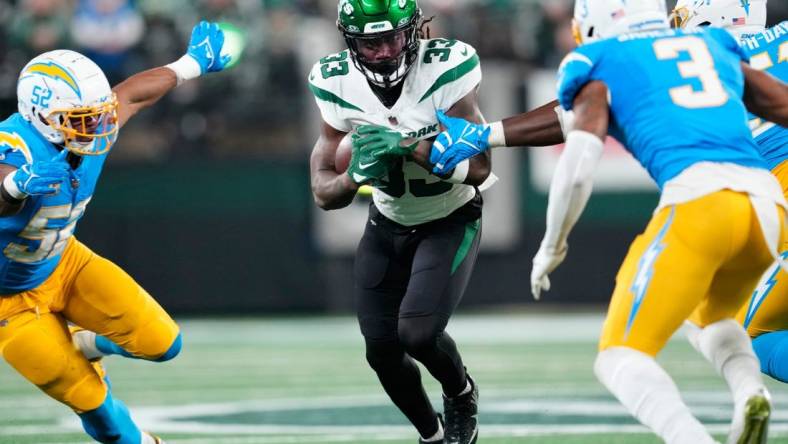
33	240
675	97
768	51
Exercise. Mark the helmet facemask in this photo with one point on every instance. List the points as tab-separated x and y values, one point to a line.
390	71
88	130
680	15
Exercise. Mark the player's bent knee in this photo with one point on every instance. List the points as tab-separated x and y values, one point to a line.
159	342
610	362
173	351
87	394
772	352
57	372
382	355
718	340
417	336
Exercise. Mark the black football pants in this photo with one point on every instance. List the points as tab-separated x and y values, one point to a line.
408	281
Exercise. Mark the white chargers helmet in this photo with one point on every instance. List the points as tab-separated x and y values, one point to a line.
68	100
601	19
741	17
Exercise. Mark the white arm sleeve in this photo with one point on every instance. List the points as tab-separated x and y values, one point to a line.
571	186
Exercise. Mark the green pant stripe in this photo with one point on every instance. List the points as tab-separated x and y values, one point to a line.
471	228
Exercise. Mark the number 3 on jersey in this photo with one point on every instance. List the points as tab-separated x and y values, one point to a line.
700	66
52	240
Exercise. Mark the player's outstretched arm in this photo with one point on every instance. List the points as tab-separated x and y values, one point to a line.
572	181
765	96
331	190
539	127
543	126
146	88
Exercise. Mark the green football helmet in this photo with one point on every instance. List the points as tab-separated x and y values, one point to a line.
371	23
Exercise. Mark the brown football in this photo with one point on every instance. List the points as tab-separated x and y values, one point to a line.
343	153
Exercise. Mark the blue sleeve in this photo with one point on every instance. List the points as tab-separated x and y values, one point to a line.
12	157
13	149
573	74
728	41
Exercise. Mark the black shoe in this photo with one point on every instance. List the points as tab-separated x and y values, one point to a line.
421	441
462	426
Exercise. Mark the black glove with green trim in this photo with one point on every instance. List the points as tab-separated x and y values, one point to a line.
375	150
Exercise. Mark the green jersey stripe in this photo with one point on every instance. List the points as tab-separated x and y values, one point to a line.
452	75
331	97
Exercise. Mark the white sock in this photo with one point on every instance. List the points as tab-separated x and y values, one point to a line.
693	333
437	437
729	349
85	340
649	395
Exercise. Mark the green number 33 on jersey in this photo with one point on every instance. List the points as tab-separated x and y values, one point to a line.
438	49
333	66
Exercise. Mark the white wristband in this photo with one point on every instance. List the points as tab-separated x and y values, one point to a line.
11	188
460	172
497	136
185	68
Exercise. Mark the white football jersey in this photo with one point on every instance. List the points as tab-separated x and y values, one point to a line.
445	72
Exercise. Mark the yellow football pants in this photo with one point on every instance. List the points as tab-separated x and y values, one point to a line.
706	254
766	310
95	294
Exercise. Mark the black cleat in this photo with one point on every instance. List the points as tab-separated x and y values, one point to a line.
462	427
422	441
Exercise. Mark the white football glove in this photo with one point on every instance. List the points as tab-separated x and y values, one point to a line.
546	260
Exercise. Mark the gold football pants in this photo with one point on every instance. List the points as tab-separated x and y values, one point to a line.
766	310
95	294
705	255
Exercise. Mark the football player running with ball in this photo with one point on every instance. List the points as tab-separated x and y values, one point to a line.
720	219
422	237
765	316
51	155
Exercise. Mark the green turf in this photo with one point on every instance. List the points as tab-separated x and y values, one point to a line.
277	381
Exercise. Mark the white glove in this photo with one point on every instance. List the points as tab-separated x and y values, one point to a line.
546	260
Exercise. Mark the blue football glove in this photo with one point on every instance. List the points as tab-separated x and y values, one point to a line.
205	46
41	178
459	141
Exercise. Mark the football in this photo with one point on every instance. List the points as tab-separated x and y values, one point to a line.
343	153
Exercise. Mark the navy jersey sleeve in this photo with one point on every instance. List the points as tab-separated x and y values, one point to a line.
728	41
573	74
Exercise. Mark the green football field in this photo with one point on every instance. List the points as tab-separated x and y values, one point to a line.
304	380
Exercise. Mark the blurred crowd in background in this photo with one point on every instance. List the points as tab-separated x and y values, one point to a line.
257	109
